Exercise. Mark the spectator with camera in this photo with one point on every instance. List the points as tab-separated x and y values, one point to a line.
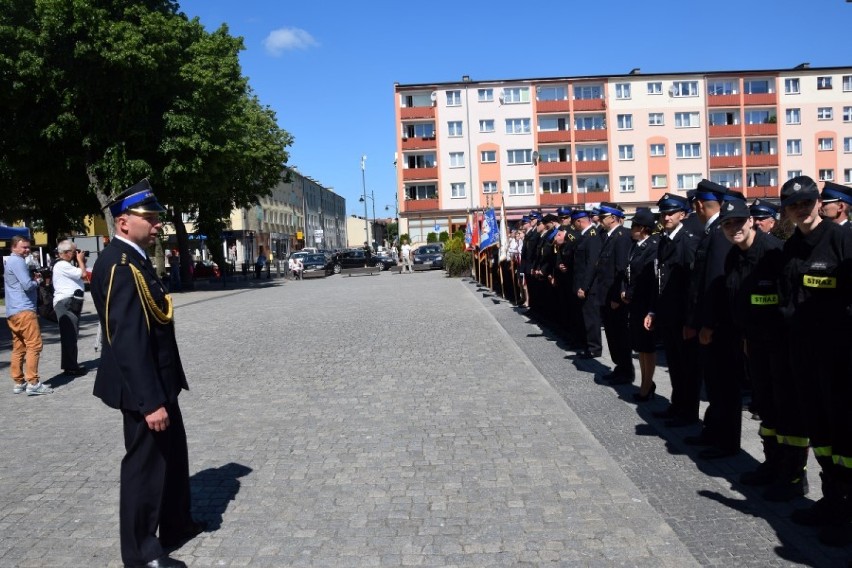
69	273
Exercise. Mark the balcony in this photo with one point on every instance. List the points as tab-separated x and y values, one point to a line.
591	166
725	131
761	191
761	160
414	113
410	174
554	168
723	100
720	162
765	129
590	135
581	105
556	199
552	136
553	106
410	205
419	143
761	99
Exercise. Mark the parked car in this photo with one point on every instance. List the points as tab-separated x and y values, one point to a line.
315	266
206	269
386	259
353	258
432	255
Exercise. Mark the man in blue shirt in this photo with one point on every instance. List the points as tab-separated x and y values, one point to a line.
22	318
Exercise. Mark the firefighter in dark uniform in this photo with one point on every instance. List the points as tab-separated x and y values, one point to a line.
720	364
816	294
693	222
765	215
750	296
528	254
836	203
141	374
609	274
638	288
566	240
585	257
520	269
675	255
546	266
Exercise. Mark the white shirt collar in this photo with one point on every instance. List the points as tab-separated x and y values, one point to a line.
134	245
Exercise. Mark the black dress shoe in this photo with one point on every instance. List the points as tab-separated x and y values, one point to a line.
679	422
76	371
188	533
715	453
161	562
588	355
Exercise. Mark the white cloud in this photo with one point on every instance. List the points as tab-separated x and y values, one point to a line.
288	39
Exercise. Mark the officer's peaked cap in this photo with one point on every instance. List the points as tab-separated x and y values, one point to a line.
138	198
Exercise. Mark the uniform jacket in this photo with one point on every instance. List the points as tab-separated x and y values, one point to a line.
674	261
585	257
639	283
565	257
530	249
612	264
140	367
707	271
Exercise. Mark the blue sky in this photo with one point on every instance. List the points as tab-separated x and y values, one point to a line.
328	69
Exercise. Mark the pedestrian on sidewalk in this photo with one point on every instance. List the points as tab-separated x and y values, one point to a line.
406	258
69	271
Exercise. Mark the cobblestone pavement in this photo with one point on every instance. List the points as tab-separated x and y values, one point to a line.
389	420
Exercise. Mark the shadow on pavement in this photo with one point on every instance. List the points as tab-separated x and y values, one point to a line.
213	489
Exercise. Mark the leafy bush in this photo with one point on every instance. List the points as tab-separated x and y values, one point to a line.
431	237
456	260
444	236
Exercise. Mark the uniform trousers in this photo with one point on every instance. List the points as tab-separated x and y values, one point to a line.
774	392
590	313
154	486
724	366
616	327
678	353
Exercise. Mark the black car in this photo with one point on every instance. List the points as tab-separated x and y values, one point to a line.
354	258
386	259
432	255
315	265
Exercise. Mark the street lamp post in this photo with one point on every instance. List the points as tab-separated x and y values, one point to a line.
364	196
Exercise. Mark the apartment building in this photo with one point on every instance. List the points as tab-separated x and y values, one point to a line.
541	143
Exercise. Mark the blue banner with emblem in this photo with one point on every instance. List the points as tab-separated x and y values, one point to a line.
490	234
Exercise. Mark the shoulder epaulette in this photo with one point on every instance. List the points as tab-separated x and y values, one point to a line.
123	258
591	232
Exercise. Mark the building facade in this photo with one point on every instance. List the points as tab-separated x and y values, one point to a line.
541	143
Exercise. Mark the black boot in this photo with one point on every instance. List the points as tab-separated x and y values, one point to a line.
792	479
830	510
766	472
840	535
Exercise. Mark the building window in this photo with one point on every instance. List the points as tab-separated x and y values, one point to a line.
722	88
622	90
719	149
847	83
684	89
485	95
517	126
457	190
825	113
625	152
516	95
593	184
582	92
658	150
556	185
728	179
486	125
794	147
488	156
453	98
659	181
519	156
625	121
589	123
847	145
521	187
688	150
793	116
456	159
791	86
655	119
824	82
686	120
626	184
551	94
455	129
757	87
421	192
847	175
655	88
489	187
825	144
826	175
552	124
847	114
793	173
759	117
688	181
591	153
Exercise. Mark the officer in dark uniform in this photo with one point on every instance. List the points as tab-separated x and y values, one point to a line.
675	255
521	267
566	240
546	266
609	274
720	364
765	215
692	222
141	374
750	296
638	288
585	257
816	295
836	203
528	257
